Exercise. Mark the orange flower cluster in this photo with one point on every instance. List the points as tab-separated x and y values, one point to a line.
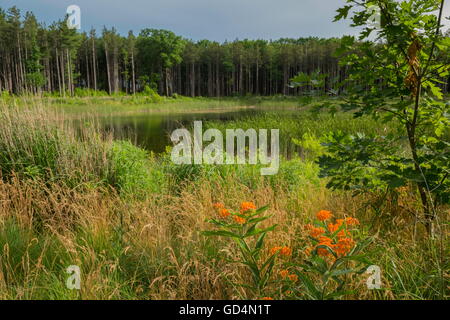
239	220
284	251
324	215
341	245
225	213
315	231
293	277
285	274
334	227
247	206
218	205
266	298
324	241
350	221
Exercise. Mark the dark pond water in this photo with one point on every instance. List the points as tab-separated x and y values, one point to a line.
152	130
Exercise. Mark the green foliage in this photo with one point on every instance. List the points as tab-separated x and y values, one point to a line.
86	92
17	243
250	242
151	94
315	80
31	152
132	172
296	175
332	275
326	271
396	78
310	146
362	163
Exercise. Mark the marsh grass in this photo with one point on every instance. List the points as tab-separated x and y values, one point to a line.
301	132
71	198
139	103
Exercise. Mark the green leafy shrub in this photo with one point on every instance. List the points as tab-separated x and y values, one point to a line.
132	172
151	94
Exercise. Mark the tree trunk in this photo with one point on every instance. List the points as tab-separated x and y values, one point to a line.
133	74
94	68
108	73
192	80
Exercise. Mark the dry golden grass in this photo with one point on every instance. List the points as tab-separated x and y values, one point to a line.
159	252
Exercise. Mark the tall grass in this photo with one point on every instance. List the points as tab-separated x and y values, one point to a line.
43	145
302	131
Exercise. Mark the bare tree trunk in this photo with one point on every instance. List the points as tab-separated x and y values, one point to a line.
88	73
115	68
167	81
107	68
133	74
217	79
257	78
58	72
192	79
69	73
94	68
240	75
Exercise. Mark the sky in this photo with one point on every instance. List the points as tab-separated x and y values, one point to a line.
217	20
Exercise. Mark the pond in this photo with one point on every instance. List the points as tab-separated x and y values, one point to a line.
152	130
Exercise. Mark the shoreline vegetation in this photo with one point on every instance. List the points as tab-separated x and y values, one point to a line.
142	103
131	219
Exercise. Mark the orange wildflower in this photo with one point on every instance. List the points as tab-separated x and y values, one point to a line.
315	232
323	252
266	298
247	206
344	245
239	220
284	273
274	250
334	227
218	205
324	241
351	221
342	234
323	215
224	213
286	251
293	277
